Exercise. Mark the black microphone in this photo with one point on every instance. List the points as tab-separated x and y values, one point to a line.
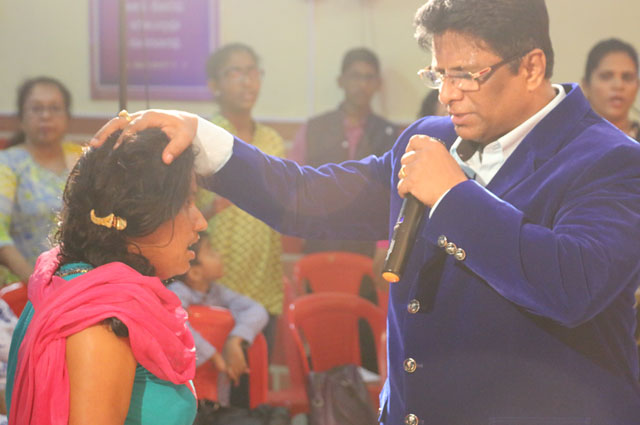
409	220
404	237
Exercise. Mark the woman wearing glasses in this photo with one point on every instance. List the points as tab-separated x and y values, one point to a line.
33	172
611	83
250	249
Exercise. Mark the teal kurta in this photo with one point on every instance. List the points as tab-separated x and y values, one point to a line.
153	401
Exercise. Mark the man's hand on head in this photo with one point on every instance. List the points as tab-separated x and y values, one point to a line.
179	126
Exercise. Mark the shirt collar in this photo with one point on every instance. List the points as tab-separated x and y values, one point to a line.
499	151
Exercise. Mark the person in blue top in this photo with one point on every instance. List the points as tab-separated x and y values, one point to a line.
199	287
516	305
102	340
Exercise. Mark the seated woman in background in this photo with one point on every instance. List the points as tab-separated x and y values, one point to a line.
611	84
33	172
102	340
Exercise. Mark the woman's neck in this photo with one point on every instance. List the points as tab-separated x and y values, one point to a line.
242	122
49	156
623	124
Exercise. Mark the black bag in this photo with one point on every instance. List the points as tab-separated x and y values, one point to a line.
211	413
340	397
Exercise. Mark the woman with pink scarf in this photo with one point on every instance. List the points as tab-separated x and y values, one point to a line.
102	341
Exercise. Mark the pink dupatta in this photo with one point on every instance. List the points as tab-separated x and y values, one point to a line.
159	338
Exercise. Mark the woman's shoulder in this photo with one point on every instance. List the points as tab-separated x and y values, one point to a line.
268	132
269	140
72	148
14	155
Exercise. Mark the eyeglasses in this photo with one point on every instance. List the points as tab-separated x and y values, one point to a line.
40	110
237	74
462	80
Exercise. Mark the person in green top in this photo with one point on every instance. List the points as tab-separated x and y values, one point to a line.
102	340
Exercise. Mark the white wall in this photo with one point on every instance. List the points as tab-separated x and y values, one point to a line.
301	43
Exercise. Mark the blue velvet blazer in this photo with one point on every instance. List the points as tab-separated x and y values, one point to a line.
532	322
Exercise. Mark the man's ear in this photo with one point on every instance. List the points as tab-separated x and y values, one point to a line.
534	65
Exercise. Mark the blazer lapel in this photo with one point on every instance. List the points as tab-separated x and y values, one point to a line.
542	142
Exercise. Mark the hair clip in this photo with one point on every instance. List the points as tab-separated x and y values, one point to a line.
111	221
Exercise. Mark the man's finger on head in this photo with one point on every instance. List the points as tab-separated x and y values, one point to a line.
106	130
176	146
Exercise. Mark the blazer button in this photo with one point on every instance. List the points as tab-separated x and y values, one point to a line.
450	248
411	419
460	254
414	306
442	241
409	365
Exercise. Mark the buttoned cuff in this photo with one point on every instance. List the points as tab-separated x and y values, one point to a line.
213	147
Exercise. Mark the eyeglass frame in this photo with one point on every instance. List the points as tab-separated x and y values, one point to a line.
40	110
486	72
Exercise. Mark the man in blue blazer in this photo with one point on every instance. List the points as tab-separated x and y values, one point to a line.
516	307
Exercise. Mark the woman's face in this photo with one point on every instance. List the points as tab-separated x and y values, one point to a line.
613	86
167	247
238	83
45	119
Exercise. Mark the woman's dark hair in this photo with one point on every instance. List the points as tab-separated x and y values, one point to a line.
508	27
25	89
131	182
219	58
602	49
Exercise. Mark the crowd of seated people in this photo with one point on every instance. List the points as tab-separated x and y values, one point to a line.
109	226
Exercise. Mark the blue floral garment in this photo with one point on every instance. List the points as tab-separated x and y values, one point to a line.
30	197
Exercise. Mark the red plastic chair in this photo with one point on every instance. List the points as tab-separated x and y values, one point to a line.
214	324
328	322
335	271
15	295
294	396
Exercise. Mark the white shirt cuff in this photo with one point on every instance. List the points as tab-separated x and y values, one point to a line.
433	208
213	147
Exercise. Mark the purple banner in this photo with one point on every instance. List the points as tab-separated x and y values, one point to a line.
168	43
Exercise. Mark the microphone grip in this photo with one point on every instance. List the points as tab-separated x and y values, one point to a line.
403	239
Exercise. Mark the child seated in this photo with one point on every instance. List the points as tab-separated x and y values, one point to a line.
198	286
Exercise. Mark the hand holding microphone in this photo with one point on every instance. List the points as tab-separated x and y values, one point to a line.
428	171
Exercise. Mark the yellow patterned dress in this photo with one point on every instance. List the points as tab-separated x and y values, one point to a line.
30	198
250	249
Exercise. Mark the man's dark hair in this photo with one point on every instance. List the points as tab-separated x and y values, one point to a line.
602	49
360	54
218	59
131	182
508	27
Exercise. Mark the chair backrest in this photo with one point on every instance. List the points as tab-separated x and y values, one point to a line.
214	324
328	322
336	271
15	295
